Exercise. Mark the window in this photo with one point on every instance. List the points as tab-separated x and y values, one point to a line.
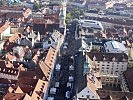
92	96
107	68
88	91
107	79
102	67
49	42
82	95
111	79
87	96
102	70
107	65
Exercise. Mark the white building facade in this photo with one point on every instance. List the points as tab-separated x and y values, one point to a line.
86	93
110	65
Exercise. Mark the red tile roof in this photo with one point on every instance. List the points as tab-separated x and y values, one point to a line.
14	37
4	27
16	8
14	96
8	46
50	58
41	87
14	15
27	13
11	57
115	95
45	69
26	84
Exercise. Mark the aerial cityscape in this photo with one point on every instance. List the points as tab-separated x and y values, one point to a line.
66	49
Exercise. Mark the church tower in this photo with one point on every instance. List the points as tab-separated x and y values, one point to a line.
62	14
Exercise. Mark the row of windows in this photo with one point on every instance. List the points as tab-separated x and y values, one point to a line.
112	65
107	71
111	68
87	96
109	62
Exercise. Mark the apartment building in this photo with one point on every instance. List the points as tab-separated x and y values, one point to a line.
110	65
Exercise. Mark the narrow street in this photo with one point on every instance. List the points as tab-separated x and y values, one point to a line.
64	76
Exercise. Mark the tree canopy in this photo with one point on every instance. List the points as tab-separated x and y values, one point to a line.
74	13
68	17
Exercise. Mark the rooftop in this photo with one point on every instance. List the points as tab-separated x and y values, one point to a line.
4	27
128	78
115	95
40	89
26	84
85	80
27	13
14	96
118	57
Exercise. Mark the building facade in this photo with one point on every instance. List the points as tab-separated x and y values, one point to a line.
110	65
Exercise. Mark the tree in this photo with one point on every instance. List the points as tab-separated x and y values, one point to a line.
68	17
82	12
37	6
77	12
4	3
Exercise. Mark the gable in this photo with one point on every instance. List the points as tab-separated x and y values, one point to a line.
86	92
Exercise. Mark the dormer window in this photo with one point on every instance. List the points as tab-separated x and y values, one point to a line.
12	71
114	59
48	73
41	89
50	64
38	98
104	59
43	83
